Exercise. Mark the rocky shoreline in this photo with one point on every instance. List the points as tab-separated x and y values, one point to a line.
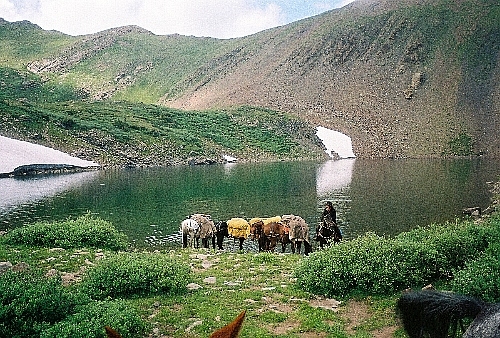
37	169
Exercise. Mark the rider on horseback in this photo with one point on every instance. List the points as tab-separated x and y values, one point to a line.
329	222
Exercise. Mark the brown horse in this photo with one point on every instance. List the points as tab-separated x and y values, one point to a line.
299	232
284	237
207	231
266	233
231	330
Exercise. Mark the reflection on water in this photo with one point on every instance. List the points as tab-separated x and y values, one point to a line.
334	175
333	181
384	196
15	192
393	196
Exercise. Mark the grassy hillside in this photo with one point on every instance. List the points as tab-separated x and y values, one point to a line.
23	42
127	63
411	78
124	133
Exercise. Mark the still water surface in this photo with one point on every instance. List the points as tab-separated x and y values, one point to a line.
384	196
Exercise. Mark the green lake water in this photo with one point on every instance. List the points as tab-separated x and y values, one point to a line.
148	204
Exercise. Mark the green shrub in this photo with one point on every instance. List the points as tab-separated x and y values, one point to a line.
91	319
85	231
129	274
30	302
481	277
373	264
367	264
457	242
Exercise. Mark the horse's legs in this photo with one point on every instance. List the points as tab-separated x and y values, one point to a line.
299	246
272	244
213	241
307	248
260	241
283	244
266	246
184	240
241	243
220	240
293	246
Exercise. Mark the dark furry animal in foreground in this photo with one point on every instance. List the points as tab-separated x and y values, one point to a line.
436	314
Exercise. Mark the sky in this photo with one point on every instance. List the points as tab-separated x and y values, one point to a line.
215	18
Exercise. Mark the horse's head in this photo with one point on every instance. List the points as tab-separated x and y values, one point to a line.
256	229
221	228
231	330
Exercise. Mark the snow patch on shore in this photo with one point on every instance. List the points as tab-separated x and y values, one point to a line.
335	143
14	153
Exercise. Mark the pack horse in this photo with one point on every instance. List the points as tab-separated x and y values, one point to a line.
196	227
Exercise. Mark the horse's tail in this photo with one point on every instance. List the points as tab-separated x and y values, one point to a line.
434	312
231	330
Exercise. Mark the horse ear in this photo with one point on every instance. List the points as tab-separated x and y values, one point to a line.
231	330
111	333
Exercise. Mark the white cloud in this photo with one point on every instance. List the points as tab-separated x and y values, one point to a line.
216	18
222	18
8	10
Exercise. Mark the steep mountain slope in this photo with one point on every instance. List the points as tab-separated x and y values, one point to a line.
403	78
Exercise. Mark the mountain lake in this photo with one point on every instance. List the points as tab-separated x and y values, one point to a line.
148	204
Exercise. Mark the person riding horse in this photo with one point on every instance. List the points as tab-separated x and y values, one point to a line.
328	228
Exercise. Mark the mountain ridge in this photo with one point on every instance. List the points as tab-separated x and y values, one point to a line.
413	78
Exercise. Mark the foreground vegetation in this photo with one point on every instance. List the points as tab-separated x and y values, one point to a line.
454	252
72	288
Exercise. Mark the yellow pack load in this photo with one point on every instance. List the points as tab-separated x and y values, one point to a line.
266	221
238	228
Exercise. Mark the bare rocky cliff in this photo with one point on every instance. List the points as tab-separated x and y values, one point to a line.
403	79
